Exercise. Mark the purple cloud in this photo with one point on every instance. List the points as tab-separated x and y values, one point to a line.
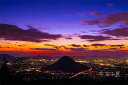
108	20
85	45
74	45
95	13
68	38
12	32
116	18
119	32
77	49
54	46
93	38
43	49
92	22
96	44
116	46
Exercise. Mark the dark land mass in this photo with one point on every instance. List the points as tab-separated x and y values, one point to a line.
75	81
68	65
6	57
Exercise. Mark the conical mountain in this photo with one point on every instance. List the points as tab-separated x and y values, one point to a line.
67	65
65	60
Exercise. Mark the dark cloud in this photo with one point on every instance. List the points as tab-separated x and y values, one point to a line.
112	49
68	38
43	49
77	49
116	45
93	38
120	46
95	13
12	32
48	45
85	45
74	45
92	22
115	18
65	47
109	20
96	44
119	32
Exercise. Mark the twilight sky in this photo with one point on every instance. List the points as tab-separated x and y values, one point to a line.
64	27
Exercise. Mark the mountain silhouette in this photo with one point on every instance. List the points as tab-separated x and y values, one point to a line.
67	65
6	57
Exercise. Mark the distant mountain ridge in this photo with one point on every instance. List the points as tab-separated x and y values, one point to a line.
67	65
7	57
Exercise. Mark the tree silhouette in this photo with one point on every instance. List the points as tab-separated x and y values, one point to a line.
4	72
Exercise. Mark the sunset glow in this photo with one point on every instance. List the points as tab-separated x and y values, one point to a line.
64	27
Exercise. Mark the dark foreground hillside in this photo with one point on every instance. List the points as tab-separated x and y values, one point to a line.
75	81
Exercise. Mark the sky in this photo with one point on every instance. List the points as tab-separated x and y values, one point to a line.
64	27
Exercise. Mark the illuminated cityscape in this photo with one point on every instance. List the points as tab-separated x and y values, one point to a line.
35	69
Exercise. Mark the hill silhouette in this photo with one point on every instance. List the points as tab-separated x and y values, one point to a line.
6	57
67	65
